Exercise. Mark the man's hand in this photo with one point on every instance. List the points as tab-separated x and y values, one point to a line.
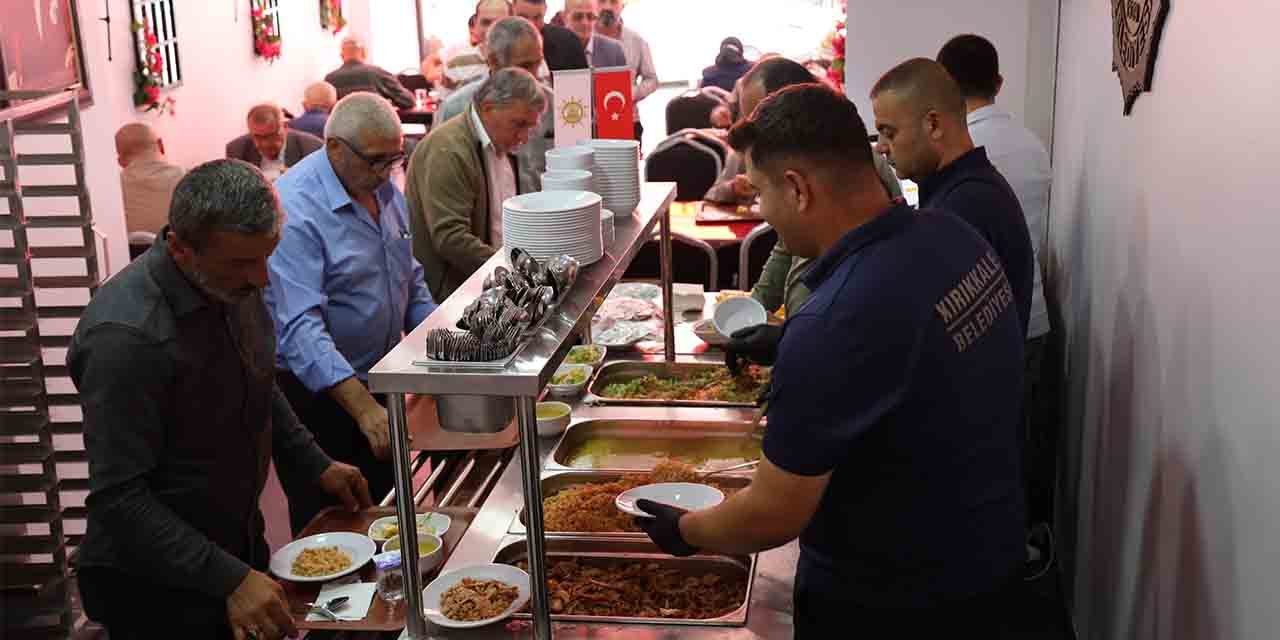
346	483
743	188
758	344
664	527
258	605
376	428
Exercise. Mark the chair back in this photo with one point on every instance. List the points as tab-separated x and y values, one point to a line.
685	160
692	260
755	251
690	110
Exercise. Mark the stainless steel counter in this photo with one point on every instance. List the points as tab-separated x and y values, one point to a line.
769	611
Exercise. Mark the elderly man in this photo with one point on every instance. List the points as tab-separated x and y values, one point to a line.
147	179
270	145
182	417
534	11
636	51
464	64
916	310
602	51
514	42
781	282
317	102
357	75
344	288
920	113
462	172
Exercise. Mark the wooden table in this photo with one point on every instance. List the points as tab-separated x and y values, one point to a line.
684	221
381	617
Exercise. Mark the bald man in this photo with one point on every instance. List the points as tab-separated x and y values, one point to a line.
147	179
317	102
924	133
357	75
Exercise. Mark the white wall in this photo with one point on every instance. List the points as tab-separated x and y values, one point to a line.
222	79
883	33
1162	252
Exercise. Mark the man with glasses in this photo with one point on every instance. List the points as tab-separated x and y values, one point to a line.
270	145
602	51
344	288
462	172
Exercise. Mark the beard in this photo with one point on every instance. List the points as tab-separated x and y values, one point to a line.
225	296
608	18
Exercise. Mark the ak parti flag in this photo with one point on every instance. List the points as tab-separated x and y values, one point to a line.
572	106
613	107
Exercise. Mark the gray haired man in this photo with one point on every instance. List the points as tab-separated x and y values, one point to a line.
468	163
344	289
513	42
173	362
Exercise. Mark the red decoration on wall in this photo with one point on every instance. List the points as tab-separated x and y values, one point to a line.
266	37
148	78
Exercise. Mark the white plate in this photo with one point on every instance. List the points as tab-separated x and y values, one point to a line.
551	202
434	523
501	572
358	546
685	495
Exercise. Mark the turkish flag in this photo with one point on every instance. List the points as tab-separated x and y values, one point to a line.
613	106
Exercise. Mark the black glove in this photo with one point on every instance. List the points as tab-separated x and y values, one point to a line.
664	527
758	344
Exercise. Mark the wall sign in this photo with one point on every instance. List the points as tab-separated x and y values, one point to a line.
1135	32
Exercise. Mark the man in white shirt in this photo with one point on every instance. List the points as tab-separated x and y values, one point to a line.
1021	158
463	64
636	49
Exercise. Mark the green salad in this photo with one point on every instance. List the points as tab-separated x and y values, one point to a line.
583	355
573	376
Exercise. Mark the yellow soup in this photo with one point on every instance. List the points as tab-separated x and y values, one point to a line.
549	412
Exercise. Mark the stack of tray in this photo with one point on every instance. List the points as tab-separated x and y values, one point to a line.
680	439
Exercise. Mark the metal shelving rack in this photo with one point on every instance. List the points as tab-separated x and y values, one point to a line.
34	582
522	380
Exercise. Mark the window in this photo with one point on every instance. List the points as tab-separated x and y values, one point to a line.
157	15
271	9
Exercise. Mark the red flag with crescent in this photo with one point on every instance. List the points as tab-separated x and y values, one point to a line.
613	105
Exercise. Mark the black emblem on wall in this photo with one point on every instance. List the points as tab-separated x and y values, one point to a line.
1135	33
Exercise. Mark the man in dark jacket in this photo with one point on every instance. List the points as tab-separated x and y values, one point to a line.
270	145
357	75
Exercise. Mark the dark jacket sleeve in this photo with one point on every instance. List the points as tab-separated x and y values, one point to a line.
294	449
390	87
124	381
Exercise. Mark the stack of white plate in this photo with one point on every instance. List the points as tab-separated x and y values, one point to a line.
552	223
568	180
617	174
574	157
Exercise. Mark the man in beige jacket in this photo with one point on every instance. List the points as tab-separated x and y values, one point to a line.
462	172
147	179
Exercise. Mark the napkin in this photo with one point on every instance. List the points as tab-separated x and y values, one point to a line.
361	598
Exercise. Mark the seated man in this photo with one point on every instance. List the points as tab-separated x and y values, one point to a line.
513	42
317	101
780	283
270	145
182	417
344	288
356	75
462	172
147	179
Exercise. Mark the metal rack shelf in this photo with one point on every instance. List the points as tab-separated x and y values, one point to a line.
522	379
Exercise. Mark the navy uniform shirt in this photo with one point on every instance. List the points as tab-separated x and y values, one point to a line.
973	189
902	376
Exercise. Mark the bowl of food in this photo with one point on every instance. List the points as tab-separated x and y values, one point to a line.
430	554
388	527
569	380
592	354
706	331
553	418
475	596
738	313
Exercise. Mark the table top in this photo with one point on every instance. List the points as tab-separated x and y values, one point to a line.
684	221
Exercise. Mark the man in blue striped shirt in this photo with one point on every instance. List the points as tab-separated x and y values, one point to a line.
344	289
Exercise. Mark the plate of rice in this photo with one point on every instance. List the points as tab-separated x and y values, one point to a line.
322	557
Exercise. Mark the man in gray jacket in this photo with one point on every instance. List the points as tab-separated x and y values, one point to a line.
602	51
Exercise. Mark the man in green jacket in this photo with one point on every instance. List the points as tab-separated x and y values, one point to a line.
462	172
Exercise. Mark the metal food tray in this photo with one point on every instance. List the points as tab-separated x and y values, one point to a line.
553	483
688	430
628	370
514	549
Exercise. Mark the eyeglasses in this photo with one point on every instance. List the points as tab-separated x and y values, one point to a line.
583	16
378	163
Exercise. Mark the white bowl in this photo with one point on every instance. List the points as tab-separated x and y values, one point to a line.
574	154
554	426
435	524
502	572
358	546
570	390
602	351
689	496
551	202
736	313
427	562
